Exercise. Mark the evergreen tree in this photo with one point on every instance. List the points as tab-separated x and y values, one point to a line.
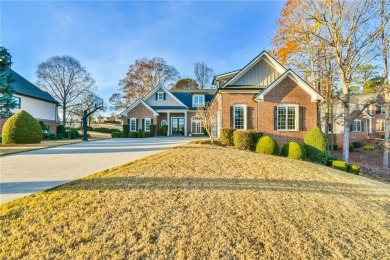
7	100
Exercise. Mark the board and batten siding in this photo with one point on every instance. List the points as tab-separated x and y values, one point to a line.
262	74
39	109
151	101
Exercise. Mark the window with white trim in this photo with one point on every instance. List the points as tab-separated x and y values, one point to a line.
133	124
380	125
160	95
198	100
239	117
356	125
287	117
164	122
147	123
380	108
197	124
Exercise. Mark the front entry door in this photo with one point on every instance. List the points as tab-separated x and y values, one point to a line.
178	126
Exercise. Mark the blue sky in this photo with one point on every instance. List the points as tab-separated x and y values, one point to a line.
107	36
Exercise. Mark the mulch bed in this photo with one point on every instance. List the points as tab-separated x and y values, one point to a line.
371	162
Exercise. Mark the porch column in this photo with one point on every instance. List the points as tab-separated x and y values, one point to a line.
185	123
169	124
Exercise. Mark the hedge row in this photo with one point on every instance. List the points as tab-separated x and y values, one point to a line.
244	140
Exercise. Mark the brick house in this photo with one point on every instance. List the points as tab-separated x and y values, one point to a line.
264	96
38	103
176	109
368	123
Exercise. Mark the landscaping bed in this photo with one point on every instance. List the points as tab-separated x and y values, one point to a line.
203	201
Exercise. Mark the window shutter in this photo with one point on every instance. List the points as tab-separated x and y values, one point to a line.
128	121
143	124
136	125
301	118
231	117
151	121
350	127
156	96
275	118
246	117
165	96
362	126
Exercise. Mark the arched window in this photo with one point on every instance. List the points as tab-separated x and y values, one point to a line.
197	124
163	122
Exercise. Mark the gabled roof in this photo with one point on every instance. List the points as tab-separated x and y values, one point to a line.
315	96
224	75
166	91
265	56
359	107
124	113
25	88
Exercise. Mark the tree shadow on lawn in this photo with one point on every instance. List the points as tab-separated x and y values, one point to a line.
225	184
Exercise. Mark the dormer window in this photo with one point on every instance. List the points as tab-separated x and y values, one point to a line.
160	95
198	101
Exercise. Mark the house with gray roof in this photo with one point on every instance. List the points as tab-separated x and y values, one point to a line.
40	104
174	108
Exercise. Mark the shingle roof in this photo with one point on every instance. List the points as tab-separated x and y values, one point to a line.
24	87
186	97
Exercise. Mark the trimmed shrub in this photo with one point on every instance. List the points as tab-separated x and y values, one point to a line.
294	150
53	137
255	138
226	136
353	168
106	130
164	130
340	165
59	136
61	130
315	144
21	128
139	134
118	135
368	147
242	139
152	130
356	144
330	160
126	130
133	134
267	145
351	149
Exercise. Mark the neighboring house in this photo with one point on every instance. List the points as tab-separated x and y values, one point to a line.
265	96
176	109
40	104
368	123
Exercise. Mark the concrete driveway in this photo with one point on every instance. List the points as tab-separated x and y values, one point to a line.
29	172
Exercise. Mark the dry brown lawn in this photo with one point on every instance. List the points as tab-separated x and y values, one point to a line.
203	202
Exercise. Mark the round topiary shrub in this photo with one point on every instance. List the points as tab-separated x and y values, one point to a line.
267	145
21	128
316	144
294	150
61	130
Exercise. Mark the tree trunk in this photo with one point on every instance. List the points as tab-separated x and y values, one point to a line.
346	128
63	115
387	134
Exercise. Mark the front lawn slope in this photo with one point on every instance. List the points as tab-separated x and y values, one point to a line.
203	202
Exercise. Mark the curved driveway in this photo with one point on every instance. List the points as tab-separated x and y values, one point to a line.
29	172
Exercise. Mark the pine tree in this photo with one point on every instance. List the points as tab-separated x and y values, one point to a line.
7	100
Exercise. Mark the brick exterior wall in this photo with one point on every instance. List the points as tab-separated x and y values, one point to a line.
260	115
140	112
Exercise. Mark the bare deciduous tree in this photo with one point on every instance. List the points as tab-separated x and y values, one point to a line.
208	115
349	31
142	76
65	79
203	74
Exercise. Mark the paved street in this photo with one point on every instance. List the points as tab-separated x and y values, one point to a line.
29	172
